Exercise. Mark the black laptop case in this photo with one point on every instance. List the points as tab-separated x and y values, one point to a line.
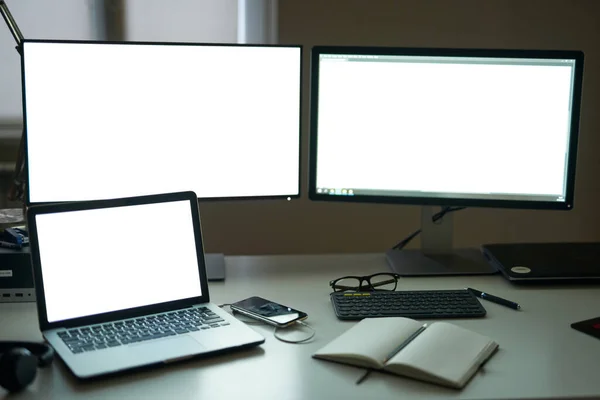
545	262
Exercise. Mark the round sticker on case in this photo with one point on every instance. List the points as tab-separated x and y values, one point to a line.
520	270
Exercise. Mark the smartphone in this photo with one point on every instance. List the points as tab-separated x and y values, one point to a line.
268	311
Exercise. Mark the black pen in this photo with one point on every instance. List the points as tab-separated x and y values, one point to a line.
495	299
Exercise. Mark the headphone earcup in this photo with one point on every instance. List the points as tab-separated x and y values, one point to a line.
18	368
46	356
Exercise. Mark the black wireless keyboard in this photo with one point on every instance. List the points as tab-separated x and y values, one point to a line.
411	304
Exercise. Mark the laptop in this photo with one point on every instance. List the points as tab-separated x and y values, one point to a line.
121	284
546	262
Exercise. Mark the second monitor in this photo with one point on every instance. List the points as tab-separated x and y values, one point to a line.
106	120
444	127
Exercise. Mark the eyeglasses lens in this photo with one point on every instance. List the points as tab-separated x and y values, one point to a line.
348	284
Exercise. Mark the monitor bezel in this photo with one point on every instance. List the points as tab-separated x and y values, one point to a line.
567	204
300	47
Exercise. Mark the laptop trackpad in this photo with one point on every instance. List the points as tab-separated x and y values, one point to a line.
168	349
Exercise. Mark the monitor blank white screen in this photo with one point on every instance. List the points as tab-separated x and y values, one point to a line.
115	120
444	127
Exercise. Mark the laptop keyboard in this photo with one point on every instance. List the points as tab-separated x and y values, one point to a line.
104	336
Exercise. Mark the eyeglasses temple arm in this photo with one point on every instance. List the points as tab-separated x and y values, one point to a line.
384	282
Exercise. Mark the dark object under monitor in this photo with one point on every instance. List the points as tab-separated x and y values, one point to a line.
546	262
16	276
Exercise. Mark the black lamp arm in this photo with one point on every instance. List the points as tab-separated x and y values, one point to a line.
16	191
12	25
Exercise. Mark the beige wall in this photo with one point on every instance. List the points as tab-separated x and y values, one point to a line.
301	226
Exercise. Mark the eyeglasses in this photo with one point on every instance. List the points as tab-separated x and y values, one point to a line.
380	281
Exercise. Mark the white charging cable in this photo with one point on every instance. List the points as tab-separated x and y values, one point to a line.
311	333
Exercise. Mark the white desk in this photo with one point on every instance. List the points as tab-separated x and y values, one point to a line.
540	355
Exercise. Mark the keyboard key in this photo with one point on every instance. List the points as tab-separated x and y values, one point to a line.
71	339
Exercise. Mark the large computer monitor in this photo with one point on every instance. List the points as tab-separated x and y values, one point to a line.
444	127
106	120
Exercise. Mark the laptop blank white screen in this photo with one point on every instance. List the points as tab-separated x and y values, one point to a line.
103	260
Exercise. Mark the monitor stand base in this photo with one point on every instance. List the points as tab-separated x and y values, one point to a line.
458	262
215	266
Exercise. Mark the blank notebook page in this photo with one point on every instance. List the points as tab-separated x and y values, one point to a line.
446	350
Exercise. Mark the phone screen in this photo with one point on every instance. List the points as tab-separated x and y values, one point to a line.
275	312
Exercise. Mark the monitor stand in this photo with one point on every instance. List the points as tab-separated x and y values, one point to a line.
437	255
215	266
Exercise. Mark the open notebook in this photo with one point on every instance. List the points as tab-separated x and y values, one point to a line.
440	353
